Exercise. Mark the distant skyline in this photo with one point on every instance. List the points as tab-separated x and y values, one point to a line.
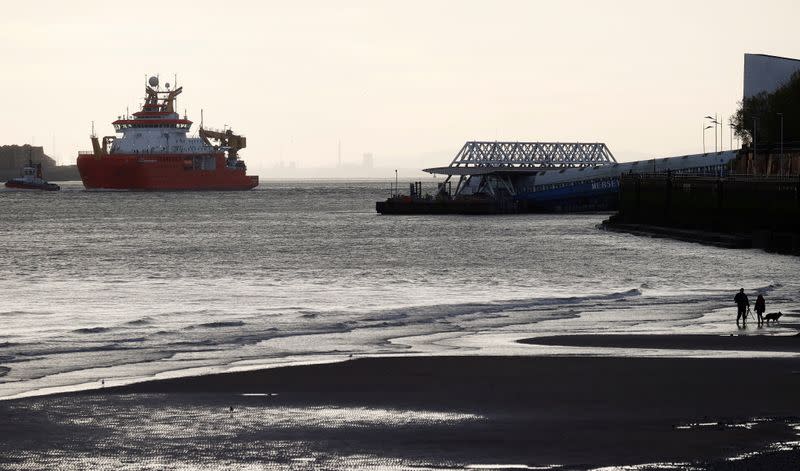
408	82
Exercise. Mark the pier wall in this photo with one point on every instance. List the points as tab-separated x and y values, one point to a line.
762	211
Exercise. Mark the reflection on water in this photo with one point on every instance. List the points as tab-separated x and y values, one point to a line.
155	431
205	431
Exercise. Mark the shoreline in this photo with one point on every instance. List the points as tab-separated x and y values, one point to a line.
744	343
716	239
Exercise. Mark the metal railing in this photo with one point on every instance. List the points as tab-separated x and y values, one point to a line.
745	177
766	178
222	131
205	150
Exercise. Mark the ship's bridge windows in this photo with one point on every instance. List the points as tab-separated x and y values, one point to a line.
180	126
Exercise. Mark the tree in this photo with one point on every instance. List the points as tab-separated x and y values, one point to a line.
766	108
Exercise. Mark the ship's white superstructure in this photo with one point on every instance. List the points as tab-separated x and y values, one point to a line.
170	138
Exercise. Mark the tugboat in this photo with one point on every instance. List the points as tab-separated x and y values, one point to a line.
154	152
31	179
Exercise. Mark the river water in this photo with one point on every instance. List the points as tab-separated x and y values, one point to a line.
119	287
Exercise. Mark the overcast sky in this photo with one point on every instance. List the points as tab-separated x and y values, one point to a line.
408	81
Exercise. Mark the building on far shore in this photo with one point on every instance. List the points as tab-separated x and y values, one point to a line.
14	157
777	149
368	161
765	73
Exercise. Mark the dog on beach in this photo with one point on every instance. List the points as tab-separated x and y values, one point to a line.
773	316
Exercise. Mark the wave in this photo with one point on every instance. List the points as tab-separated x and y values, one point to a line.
49	351
4	371
25	313
145	358
131	340
395	316
217	325
551	308
571	299
13	313
308	314
142	321
195	343
716	291
769	288
92	330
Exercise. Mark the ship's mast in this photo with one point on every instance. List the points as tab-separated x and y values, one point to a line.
157	100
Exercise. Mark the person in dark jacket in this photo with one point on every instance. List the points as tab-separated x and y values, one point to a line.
761	306
742	303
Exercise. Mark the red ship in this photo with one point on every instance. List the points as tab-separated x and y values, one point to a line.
154	152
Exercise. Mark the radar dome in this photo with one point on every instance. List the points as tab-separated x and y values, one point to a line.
153	81
167	85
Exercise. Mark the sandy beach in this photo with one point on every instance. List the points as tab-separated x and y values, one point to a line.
429	413
742	343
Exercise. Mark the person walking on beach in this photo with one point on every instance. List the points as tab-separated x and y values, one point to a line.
742	303
761	306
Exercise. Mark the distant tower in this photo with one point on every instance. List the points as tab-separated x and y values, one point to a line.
368	161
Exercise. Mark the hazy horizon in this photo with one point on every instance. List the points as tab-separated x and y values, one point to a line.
408	83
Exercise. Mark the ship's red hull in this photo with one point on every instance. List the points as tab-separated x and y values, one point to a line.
160	172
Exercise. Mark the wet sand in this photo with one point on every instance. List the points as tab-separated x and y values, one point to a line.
581	412
743	343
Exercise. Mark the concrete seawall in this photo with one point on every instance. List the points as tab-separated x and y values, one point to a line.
752	211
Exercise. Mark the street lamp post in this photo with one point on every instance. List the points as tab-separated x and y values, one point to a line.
704	136
754	141
715	122
731	131
781	165
715	132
